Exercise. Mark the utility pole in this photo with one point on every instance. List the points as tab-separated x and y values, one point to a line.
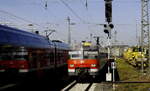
97	43
69	32
145	36
97	40
137	39
115	37
91	35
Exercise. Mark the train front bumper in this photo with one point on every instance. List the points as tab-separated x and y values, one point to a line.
75	72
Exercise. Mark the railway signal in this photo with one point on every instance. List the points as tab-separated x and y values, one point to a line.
108	10
108	28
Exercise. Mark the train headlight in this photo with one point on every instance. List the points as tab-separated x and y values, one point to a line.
145	59
93	65
71	65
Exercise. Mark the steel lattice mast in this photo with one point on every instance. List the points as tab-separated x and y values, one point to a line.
145	36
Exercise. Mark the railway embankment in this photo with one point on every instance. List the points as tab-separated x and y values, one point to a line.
131	79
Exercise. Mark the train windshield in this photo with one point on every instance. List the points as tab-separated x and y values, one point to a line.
90	55
76	55
83	54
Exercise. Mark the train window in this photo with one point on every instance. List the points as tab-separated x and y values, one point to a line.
90	56
46	56
12	53
86	57
51	58
5	53
75	56
20	57
6	57
96	57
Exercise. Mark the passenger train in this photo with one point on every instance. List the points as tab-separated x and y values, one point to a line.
86	61
23	53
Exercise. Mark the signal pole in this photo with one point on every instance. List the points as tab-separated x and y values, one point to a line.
115	39
97	42
107	29
145	36
108	10
69	32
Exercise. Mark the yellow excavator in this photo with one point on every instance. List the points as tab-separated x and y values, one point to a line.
135	56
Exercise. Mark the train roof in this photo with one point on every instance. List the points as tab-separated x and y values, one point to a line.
17	37
60	44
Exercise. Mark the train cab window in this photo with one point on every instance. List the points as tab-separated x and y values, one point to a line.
90	57
96	57
86	57
90	54
75	56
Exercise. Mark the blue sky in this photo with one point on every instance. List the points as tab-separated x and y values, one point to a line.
126	13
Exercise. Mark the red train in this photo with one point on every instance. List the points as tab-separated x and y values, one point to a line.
23	52
85	61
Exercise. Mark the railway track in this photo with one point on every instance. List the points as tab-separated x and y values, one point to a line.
78	84
87	83
6	86
75	86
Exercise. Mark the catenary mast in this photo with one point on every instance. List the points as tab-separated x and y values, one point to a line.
145	36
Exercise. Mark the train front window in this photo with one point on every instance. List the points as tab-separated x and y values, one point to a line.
75	56
90	56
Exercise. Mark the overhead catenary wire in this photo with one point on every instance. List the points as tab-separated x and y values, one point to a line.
82	2
75	14
86	4
30	23
20	18
8	13
46	4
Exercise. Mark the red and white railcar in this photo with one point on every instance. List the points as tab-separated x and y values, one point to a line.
84	61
